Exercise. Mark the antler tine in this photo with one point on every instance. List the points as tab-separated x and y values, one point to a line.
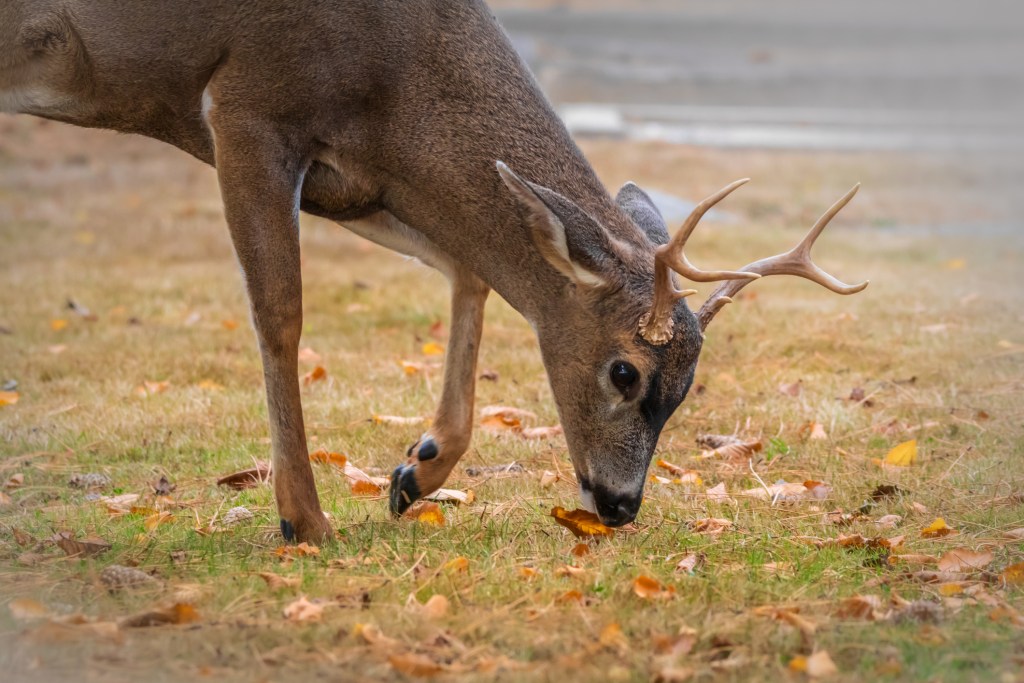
797	261
656	325
674	257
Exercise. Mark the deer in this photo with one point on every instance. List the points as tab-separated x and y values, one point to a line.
416	125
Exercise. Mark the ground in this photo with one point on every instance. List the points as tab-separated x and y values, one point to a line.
133	231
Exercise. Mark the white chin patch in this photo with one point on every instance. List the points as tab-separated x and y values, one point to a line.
587	500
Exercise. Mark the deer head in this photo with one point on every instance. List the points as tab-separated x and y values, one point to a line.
621	357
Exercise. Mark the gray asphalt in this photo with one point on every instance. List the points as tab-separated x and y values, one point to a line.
903	74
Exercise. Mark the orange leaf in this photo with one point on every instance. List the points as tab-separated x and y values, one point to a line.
153	521
303	610
365	488
418	666
58	324
528	572
317	374
326	457
151	388
229	324
1013	575
570	596
651	589
712	526
179	613
581	523
581	549
8	398
457	565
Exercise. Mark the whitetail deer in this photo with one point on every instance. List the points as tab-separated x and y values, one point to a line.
402	120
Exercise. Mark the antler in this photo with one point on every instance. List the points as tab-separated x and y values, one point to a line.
796	261
656	325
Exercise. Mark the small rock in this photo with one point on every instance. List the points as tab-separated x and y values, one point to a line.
116	577
236	516
90	480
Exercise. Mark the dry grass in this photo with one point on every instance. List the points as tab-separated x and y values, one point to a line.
133	230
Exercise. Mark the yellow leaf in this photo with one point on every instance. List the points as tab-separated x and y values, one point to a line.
937	529
153	521
410	368
457	565
903	455
58	324
209	385
426	512
433	349
956	264
8	398
399	421
581	523
949	589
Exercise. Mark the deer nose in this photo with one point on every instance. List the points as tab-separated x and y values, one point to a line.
616	509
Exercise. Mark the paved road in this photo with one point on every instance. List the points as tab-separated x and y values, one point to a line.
898	74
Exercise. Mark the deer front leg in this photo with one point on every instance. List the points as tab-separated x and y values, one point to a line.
259	181
432	458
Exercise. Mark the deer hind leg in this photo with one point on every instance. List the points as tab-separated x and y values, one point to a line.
432	458
259	176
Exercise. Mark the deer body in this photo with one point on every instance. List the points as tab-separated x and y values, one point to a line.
390	117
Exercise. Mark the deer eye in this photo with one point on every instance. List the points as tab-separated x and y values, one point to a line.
626	379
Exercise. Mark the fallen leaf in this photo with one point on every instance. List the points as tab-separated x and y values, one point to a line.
1013	575
21	538
712	526
714	441
209	385
303	610
807	627
457	565
247	479
964	559
548	478
24	609
691	563
426	512
433	349
569	571
865	607
612	638
372	635
730	451
504	419
581	523
528	573
177	614
888	522
570	596
903	455
580	550
277	582
955	264
1015	534
229	324
16	480
366	488
87	547
718	493
317	374
452	496
415	665
400	421
937	529
1008	614
818	665
435	607
308	355
651	589
155	520
287	552
815	431
58	324
8	398
923	560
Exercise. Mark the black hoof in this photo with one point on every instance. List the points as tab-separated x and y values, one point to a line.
287	530
404	490
428	449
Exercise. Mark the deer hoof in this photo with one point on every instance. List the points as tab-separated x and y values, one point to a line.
288	530
424	449
404	489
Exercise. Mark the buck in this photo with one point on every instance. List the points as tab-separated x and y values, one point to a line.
414	124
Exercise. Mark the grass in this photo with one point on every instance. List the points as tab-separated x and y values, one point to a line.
133	230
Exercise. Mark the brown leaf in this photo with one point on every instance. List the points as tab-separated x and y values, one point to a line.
247	479
718	493
818	665
567	570
1013	575
580	550
504	419
287	552
964	559
737	451
865	607
179	613
790	389
651	589
581	523
21	538
888	521
415	665
303	610
612	638
326	457
372	635
17	479
923	560
711	526
713	441
147	389
86	547
156	519
675	646
23	609
435	607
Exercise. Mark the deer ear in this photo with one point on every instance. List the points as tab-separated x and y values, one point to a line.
639	206
575	244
